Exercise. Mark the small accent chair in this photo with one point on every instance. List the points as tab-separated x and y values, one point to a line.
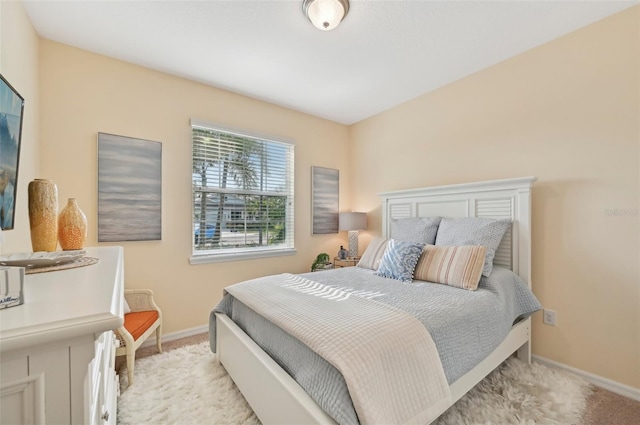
139	324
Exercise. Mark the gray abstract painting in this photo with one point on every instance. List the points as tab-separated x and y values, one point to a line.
129	189
324	200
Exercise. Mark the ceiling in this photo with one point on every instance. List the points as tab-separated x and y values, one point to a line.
383	54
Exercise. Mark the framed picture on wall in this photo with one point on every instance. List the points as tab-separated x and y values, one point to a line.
11	114
129	189
325	186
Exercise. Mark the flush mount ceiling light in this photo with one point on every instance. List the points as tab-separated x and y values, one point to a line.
325	14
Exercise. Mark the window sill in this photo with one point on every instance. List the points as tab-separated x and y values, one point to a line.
236	256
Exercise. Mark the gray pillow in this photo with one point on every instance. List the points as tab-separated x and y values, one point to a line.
416	229
487	232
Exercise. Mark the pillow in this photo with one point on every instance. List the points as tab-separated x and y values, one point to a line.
399	260
487	232
459	266
125	307
373	254
416	229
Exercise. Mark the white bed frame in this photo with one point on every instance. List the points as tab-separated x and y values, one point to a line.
277	399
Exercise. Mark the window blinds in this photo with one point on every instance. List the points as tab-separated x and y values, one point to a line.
242	191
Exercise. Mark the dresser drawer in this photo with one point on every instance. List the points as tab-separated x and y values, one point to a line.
110	406
102	383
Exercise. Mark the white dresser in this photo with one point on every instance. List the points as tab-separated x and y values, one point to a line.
58	348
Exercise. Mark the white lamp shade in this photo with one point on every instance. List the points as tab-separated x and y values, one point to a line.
325	14
353	221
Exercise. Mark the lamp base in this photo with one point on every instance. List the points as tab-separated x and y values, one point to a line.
353	243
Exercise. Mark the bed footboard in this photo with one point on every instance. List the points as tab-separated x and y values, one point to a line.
277	399
274	396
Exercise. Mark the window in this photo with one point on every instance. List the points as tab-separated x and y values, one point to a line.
242	195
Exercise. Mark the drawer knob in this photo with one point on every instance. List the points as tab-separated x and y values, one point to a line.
105	416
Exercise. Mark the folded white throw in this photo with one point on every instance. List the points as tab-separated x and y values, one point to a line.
387	357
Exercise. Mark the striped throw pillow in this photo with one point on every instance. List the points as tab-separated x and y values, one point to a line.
373	254
459	266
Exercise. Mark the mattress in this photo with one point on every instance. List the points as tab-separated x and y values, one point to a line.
465	325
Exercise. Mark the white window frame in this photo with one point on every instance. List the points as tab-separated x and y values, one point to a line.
245	253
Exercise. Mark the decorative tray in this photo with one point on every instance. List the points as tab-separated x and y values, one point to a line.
41	259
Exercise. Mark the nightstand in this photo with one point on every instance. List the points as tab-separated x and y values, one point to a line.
347	262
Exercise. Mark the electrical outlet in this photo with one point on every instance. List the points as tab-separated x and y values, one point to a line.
549	317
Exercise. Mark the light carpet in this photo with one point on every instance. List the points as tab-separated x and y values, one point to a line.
187	386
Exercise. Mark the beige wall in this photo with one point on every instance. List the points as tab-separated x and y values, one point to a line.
567	112
19	65
84	93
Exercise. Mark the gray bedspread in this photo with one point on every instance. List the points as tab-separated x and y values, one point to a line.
465	326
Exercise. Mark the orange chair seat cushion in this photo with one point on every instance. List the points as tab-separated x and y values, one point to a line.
138	322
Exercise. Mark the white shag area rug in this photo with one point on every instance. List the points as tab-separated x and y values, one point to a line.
187	386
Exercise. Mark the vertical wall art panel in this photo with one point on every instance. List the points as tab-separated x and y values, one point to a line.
324	200
129	189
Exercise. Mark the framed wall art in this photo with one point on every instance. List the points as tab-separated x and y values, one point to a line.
325	186
11	115
129	189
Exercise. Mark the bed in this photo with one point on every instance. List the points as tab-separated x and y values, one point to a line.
277	398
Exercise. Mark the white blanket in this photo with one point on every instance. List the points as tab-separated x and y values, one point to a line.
387	357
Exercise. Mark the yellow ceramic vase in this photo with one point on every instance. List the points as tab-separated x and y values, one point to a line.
43	215
72	226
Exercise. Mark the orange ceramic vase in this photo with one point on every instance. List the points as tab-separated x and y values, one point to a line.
43	215
72	226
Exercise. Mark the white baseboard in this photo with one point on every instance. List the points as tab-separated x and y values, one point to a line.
176	335
599	381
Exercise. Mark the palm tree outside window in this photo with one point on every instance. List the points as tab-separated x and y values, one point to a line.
242	194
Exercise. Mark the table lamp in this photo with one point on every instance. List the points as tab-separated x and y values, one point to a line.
352	222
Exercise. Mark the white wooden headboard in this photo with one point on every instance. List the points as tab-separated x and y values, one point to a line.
509	198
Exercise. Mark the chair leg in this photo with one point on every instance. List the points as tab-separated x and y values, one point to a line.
131	358
159	338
